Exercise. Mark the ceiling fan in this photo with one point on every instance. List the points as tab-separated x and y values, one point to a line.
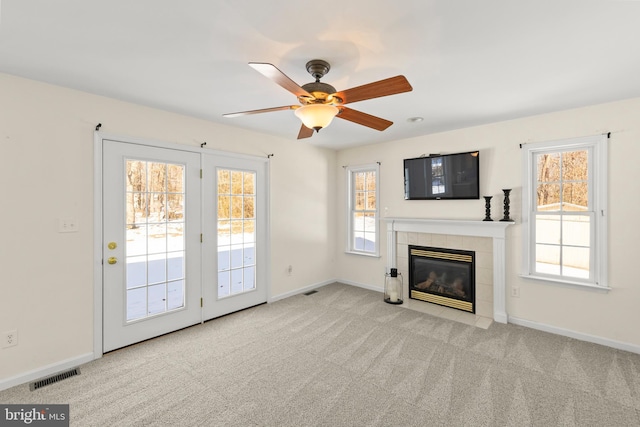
320	102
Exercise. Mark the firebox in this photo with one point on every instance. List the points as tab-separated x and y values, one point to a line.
442	276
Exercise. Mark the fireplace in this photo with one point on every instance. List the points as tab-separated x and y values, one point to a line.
442	276
486	238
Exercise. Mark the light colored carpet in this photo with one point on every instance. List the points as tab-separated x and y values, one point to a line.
342	357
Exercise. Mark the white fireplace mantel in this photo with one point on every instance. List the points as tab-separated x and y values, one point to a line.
494	229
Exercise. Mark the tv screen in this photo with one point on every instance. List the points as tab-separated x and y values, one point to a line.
440	177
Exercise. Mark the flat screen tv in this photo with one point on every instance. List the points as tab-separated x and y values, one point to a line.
441	177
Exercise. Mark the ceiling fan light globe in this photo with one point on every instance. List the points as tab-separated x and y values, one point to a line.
316	116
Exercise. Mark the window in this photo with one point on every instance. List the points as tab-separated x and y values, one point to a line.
564	211
363	210
438	184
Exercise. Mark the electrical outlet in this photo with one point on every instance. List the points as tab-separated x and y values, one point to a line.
515	292
67	225
9	338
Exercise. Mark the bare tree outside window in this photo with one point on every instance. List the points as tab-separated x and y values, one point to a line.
363	210
564	201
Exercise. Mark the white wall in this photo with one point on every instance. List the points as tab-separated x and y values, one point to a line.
613	316
46	173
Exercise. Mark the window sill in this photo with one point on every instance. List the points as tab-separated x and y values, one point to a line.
371	255
568	283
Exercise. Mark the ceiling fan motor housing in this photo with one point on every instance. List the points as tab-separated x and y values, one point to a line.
318	68
320	92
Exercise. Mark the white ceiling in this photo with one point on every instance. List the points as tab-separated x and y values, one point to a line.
470	62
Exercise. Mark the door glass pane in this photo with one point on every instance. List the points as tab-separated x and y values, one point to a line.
224	207
175	240
157	299
157	268
249	254
236	256
136	239
249	278
136	303
249	183
236	281
224	260
136	271
155	248
224	290
175	207
249	231
237	182
175	294
175	266
236	231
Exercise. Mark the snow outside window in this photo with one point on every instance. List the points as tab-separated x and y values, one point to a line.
363	228
564	211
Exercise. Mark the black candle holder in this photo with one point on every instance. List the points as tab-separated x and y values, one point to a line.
506	205
487	208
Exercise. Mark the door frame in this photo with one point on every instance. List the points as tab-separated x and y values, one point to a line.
98	137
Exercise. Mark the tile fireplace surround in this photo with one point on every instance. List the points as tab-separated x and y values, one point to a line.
486	238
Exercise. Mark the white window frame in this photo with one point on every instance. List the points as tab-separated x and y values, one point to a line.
597	182
350	170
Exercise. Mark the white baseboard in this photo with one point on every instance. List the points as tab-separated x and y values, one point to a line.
633	348
301	290
45	371
361	285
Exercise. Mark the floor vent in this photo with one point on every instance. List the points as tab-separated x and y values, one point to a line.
54	379
310	292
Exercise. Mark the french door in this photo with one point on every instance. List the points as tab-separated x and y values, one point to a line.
184	239
151	249
235	238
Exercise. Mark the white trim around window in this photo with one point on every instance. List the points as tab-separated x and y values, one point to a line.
363	228
594	214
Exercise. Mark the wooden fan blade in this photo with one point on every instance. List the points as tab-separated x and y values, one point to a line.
305	132
272	72
363	119
386	87
264	110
